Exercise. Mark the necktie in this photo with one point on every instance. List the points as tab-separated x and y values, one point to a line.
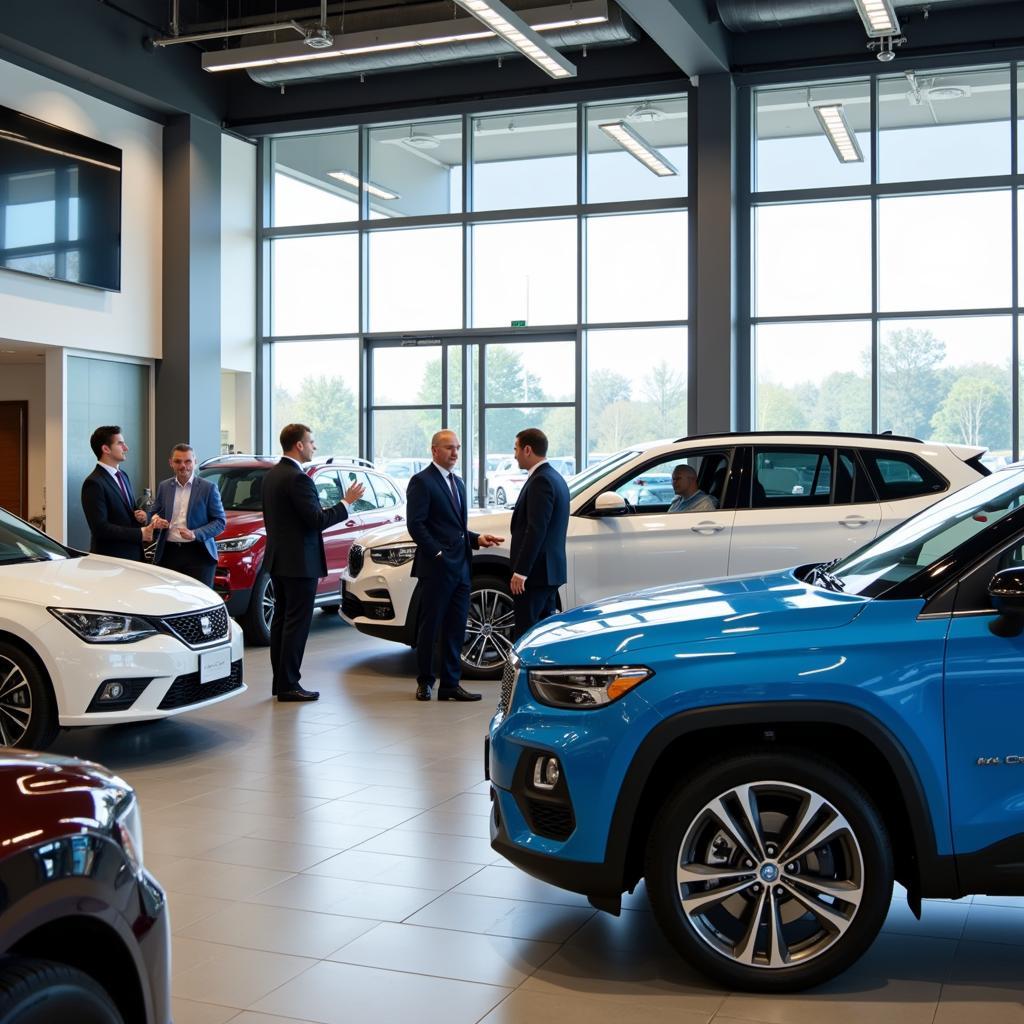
123	486
455	493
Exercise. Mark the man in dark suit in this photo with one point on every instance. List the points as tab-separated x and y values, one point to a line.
295	555
539	524
189	514
116	527
437	519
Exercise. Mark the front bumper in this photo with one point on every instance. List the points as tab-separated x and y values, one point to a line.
381	601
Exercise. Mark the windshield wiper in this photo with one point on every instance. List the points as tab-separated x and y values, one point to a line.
821	574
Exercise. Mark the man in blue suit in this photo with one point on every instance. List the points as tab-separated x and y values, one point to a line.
189	514
539	524
438	522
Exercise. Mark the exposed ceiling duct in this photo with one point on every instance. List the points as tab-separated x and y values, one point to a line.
754	15
615	29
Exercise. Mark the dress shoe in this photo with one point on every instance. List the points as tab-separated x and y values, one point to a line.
422	691
458	693
298	695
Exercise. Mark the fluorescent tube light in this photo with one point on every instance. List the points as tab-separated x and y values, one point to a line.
833	121
374	190
879	17
505	23
620	132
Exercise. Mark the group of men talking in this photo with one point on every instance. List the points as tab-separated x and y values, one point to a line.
188	514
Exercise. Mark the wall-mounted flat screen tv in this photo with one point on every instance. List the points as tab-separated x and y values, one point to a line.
60	203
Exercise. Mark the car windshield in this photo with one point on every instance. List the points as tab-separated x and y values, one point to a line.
582	480
926	538
240	486
20	542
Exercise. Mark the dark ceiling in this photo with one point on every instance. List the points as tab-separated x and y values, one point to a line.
105	46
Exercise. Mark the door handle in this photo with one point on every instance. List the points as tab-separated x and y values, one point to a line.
854	522
707	529
350	522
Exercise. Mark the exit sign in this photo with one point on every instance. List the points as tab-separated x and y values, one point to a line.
518	323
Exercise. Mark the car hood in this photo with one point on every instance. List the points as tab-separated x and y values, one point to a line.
613	630
95	582
242	522
480	521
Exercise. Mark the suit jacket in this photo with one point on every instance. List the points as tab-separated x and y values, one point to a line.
435	525
204	516
539	524
112	527
295	523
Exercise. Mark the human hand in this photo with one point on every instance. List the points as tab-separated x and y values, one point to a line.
354	493
147	534
488	540
159	523
187	534
140	516
518	584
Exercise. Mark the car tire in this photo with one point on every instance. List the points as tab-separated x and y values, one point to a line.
260	613
42	992
500	496
28	709
787	908
485	649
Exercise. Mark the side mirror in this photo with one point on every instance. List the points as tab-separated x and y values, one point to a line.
610	504
1006	591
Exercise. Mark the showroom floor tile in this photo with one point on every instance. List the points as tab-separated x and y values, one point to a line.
330	863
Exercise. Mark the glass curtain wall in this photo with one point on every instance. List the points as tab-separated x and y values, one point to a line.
885	245
539	256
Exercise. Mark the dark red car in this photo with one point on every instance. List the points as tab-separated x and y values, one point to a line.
240	578
84	929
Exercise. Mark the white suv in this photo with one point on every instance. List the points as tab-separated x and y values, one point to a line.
784	499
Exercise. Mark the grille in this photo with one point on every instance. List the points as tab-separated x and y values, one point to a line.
355	560
199	628
187	689
555	821
508	683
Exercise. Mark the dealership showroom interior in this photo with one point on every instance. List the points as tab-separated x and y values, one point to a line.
639	384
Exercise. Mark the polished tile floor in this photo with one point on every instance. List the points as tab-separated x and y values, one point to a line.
329	863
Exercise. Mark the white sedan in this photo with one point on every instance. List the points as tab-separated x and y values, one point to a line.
89	640
783	499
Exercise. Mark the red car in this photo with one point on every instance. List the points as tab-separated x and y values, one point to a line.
84	931
240	578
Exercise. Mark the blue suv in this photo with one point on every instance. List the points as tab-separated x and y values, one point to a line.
769	753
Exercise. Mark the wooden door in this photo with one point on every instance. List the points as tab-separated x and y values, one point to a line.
14	457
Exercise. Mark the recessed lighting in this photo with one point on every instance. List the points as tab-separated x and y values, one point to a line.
646	113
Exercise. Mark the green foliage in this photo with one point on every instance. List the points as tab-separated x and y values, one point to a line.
328	406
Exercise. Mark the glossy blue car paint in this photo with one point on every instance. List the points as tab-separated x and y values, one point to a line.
714	643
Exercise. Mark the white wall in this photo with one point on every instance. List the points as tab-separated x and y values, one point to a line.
54	313
238	255
20	382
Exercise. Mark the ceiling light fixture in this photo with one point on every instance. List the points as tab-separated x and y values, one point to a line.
620	132
462	30
374	190
645	113
421	140
879	17
833	121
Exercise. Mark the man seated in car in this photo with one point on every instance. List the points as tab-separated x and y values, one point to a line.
689	497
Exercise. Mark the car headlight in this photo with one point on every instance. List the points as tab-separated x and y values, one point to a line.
104	627
129	832
242	543
399	554
585	688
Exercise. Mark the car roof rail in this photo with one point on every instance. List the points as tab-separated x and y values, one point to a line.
342	460
238	457
888	434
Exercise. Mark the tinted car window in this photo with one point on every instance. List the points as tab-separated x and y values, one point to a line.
387	496
852	483
328	489
368	502
899	475
792	477
240	488
650	489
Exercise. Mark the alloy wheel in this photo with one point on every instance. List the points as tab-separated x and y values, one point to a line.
15	703
267	603
488	629
770	875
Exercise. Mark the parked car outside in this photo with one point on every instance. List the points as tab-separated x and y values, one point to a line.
91	640
780	503
84	932
240	578
505	482
770	752
403	469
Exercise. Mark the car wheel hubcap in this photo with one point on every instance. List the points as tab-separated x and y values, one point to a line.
15	703
268	604
770	875
488	629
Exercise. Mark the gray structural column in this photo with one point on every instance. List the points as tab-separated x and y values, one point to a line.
188	375
713	342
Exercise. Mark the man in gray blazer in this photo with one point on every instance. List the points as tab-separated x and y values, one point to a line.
189	514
